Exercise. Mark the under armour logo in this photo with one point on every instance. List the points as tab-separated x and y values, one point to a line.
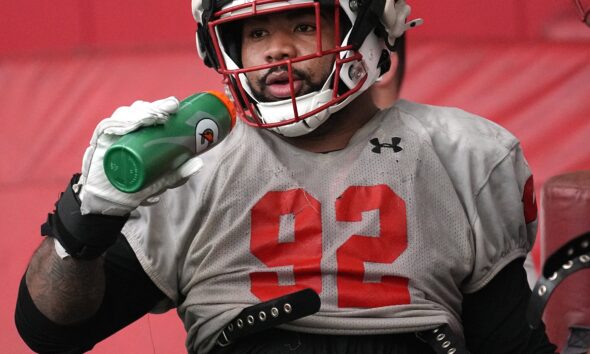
378	146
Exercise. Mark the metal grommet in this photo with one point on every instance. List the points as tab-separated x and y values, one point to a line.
446	344
568	265
274	312
585	244
440	337
452	351
570	251
240	323
230	327
435	331
223	341
542	290
262	316
250	320
584	258
287	308
553	276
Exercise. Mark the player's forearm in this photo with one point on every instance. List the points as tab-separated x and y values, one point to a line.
67	290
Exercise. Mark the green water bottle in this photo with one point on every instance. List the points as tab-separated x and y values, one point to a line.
140	157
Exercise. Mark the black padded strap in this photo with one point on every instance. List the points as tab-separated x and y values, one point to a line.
269	314
443	341
576	247
570	258
82	236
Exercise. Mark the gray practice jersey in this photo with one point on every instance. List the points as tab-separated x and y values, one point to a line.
423	205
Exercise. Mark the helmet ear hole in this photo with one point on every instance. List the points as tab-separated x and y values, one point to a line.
205	48
384	62
231	37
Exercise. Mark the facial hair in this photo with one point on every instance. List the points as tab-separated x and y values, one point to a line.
308	86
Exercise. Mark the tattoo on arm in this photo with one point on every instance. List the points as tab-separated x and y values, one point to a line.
67	291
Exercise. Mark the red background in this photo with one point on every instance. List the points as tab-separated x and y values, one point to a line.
65	64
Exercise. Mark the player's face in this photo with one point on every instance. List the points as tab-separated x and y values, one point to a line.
272	38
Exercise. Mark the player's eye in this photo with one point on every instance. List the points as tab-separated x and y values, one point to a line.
257	33
305	28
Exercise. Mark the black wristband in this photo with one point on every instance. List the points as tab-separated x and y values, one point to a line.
82	236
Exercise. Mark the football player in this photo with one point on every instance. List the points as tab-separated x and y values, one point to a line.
321	224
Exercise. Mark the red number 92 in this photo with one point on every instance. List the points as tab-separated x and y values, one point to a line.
304	252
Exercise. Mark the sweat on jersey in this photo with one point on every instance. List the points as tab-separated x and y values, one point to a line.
423	205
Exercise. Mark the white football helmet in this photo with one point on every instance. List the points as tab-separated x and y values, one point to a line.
361	56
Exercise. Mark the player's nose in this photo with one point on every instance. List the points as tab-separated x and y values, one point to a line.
281	46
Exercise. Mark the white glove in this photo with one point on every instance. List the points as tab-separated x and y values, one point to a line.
96	193
394	18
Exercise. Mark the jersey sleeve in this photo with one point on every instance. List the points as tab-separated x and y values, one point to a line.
505	218
492	180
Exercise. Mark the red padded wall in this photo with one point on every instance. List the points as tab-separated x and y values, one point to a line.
142	23
62	26
66	64
565	215
40	26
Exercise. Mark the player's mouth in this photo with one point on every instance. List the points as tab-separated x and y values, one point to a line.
278	86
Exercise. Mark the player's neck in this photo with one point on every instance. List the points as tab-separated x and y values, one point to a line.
336	132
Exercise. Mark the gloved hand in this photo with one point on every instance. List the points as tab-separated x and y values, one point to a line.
395	14
95	191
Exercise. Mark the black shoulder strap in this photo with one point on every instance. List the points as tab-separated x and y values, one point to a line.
568	259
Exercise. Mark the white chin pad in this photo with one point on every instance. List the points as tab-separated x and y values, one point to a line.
280	111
